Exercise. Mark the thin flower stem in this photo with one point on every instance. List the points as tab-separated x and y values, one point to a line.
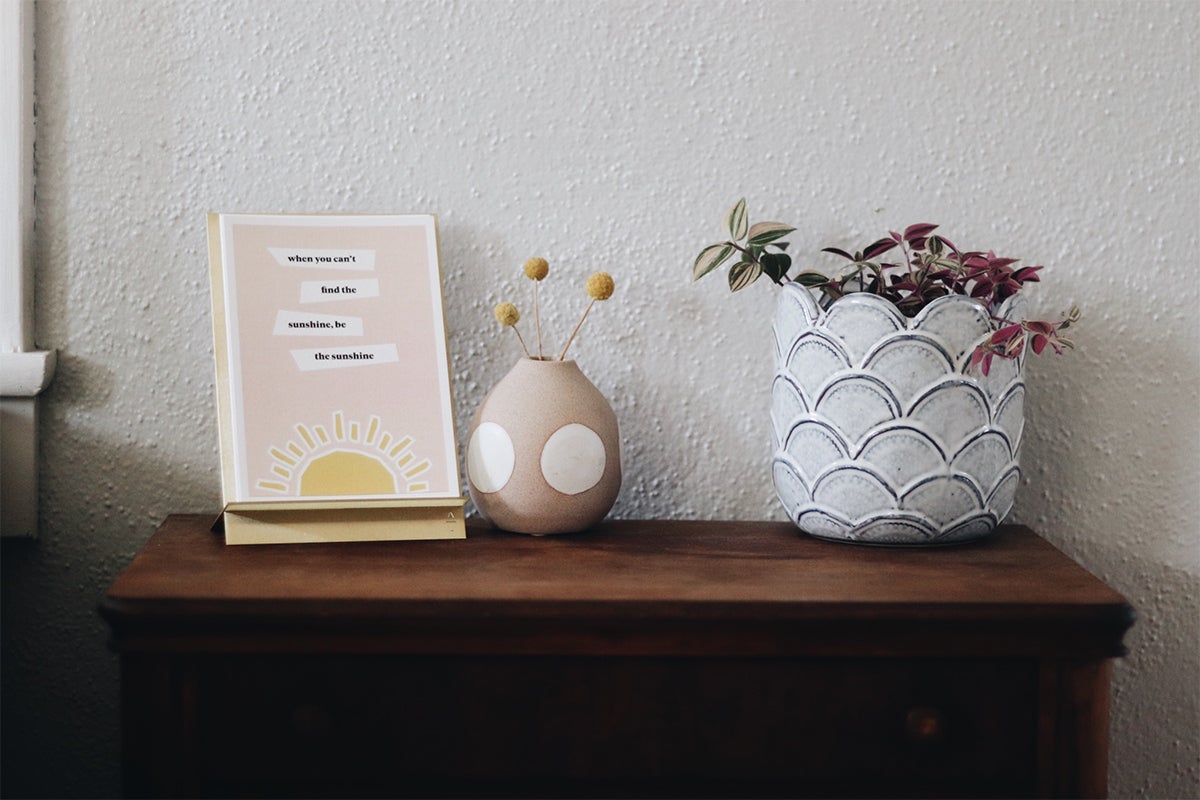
521	339
537	318
563	355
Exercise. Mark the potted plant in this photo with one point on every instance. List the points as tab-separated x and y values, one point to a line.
898	397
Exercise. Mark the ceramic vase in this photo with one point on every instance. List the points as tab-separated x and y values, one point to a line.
543	452
882	431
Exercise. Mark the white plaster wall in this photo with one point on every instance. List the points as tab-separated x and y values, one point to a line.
613	135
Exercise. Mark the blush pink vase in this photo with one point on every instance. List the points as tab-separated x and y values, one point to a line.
543	452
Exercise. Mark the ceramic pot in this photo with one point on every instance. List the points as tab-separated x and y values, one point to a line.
882	433
543	452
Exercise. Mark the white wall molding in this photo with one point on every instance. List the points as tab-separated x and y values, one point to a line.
16	175
25	375
24	371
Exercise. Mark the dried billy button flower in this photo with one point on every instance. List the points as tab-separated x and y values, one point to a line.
536	269
599	287
508	316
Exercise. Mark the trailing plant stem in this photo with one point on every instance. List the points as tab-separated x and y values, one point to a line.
746	252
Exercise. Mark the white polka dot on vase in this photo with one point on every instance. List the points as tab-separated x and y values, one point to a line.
573	459
490	457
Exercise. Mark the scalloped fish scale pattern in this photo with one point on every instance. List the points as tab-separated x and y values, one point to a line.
882	435
860	324
814	360
901	455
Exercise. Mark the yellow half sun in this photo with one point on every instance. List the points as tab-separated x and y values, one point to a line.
346	472
354	459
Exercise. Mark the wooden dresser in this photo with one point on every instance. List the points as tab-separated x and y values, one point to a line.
641	658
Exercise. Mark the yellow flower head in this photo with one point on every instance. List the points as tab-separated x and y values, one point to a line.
600	286
537	268
507	314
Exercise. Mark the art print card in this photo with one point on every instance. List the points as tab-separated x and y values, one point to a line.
333	376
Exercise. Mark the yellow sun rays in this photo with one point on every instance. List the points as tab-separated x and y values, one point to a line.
345	457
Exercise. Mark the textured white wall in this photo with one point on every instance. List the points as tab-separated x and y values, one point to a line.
613	135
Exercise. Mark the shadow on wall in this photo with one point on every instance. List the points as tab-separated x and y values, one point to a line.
1154	684
1108	466
59	682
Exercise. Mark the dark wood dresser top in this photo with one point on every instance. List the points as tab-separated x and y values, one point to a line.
746	579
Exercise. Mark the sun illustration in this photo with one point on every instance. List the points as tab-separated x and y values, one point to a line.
345	458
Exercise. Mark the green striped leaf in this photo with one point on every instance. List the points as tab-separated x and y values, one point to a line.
737	221
742	274
764	232
710	258
811	278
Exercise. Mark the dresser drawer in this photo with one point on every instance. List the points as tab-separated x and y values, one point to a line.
391	725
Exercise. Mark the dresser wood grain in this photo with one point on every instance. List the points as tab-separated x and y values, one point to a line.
665	658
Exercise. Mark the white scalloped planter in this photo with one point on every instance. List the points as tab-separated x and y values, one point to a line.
543	451
881	433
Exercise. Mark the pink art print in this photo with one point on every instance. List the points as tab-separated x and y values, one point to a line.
338	377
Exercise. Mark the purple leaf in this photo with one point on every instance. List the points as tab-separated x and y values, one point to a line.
1004	334
838	252
918	231
878	248
986	367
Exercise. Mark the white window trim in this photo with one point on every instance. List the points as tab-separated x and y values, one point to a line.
25	371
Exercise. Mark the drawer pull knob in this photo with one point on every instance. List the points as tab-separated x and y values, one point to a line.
925	724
